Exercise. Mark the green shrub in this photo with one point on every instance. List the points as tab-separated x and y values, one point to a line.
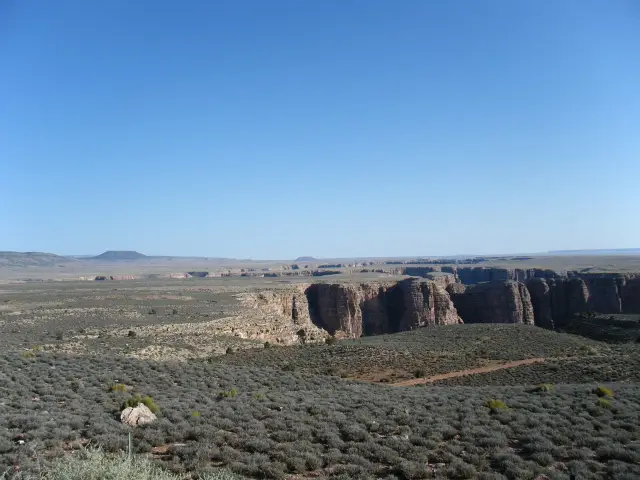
267	344
494	404
118	387
603	391
258	396
137	399
131	333
331	340
233	393
604	403
229	350
195	414
420	372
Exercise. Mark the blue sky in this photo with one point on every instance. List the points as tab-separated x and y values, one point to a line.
332	128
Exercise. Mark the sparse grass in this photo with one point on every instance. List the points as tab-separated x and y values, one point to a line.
603	391
233	393
118	387
494	404
145	400
94	464
604	403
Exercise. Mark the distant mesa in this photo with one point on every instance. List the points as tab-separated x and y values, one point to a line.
119	255
306	259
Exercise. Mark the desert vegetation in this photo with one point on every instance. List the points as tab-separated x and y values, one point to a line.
253	408
270	423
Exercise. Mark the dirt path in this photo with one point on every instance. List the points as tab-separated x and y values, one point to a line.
471	371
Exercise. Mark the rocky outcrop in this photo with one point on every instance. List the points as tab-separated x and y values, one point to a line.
290	303
493	302
424	303
557	300
198	274
137	416
353	310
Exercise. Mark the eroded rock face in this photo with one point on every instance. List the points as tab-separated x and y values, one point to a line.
493	302
540	293
290	303
137	416
425	303
557	300
353	310
604	293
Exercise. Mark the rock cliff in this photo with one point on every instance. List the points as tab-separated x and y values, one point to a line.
555	301
547	299
493	302
353	310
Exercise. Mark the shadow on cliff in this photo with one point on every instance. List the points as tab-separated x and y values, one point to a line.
333	307
314	308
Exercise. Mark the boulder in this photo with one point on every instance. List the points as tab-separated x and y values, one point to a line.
137	416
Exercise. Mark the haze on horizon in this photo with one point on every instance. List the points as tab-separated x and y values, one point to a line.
335	129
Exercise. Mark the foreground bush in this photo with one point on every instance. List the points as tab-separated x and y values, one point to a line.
96	465
495	404
603	391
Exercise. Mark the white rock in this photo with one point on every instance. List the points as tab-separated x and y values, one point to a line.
137	416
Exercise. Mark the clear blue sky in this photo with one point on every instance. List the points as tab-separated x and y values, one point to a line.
272	129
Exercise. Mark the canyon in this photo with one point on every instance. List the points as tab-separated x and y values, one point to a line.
436	295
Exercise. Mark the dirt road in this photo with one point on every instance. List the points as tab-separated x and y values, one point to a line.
471	371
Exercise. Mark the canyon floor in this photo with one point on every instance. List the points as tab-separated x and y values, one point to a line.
247	385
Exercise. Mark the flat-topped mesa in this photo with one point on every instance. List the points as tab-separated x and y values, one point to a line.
493	302
353	310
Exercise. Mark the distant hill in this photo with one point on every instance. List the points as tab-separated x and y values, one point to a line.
306	259
32	259
605	251
119	255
